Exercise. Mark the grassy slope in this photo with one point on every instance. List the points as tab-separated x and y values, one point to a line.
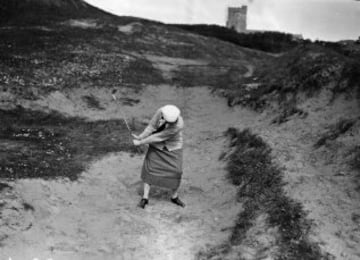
265	41
61	56
286	81
40	56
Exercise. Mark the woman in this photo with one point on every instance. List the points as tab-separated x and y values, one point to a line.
163	161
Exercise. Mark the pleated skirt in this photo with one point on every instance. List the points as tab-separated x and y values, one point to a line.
162	168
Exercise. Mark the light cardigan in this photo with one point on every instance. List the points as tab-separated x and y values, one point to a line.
170	137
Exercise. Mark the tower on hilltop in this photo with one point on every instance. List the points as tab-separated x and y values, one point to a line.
237	18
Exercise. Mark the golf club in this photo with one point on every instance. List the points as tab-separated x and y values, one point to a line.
125	120
123	116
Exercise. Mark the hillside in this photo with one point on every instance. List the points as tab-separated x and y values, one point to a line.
38	12
69	175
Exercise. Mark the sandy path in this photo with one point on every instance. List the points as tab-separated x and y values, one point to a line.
96	217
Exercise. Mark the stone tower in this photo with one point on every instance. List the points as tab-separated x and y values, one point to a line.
237	18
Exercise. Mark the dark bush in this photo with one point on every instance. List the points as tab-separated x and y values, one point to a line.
334	131
355	162
250	166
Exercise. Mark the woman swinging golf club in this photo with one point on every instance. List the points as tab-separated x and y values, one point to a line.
163	161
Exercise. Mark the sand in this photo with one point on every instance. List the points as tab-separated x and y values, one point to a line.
96	217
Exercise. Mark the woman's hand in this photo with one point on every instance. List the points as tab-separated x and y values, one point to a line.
136	136
136	142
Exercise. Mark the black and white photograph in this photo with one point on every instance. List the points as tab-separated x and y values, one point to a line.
180	130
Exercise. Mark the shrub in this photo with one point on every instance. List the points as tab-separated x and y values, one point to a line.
334	131
250	167
355	162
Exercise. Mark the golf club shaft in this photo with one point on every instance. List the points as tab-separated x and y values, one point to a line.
126	123
123	116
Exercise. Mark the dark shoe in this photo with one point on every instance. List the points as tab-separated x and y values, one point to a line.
143	202
178	202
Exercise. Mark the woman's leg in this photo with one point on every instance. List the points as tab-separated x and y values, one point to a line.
175	194
175	199
145	199
146	191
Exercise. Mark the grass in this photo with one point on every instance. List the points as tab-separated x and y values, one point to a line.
334	131
40	145
287	110
4	186
92	102
260	187
209	75
28	207
355	161
62	57
141	71
265	41
350	78
298	74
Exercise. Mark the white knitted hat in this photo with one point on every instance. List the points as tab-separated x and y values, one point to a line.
170	113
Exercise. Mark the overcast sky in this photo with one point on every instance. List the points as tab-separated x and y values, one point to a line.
330	20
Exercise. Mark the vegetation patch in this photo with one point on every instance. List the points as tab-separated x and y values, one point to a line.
287	80
209	75
141	71
350	79
260	187
265	41
334	131
355	161
28	207
287	110
42	61
4	186
92	102
41	145
355	165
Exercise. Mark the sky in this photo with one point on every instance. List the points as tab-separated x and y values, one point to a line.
329	20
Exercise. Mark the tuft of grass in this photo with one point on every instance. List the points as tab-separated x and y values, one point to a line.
289	109
260	182
41	145
129	101
92	102
28	207
4	186
141	71
334	131
350	79
355	164
355	161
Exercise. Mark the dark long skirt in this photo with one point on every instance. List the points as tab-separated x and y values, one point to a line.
162	168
